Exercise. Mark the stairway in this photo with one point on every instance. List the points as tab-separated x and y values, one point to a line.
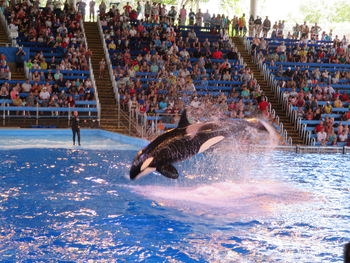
287	124
3	37
17	75
110	120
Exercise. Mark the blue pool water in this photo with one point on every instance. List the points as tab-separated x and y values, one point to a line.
60	203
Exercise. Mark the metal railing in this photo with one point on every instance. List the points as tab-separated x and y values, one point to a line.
10	34
92	76
302	149
292	114
132	119
264	73
36	112
269	77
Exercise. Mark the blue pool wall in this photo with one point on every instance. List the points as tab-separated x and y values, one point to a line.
67	132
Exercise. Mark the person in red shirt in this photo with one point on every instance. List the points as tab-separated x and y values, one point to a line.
217	54
142	109
300	101
344	97
346	116
140	28
263	105
127	8
319	127
133	15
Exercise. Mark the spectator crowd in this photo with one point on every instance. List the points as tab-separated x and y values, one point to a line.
59	60
160	67
313	72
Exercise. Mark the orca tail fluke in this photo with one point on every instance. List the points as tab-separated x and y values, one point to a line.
258	124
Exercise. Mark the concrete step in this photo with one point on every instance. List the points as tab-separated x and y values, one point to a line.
268	92
109	117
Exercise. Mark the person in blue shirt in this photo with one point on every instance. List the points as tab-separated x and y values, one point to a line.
162	104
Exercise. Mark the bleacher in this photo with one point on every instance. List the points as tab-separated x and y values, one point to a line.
212	87
53	49
338	79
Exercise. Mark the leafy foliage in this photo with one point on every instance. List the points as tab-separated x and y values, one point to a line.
312	11
315	11
342	12
231	6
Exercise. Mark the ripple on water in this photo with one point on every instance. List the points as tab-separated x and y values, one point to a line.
78	205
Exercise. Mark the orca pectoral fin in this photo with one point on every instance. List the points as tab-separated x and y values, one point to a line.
168	171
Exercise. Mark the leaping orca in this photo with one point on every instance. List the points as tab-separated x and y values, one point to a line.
185	141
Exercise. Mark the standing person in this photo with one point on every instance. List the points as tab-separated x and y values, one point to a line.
138	9
155	13
163	14
199	18
75	127
258	26
147	9
92	4
20	58
266	26
81	8
191	17
172	15
242	25
206	18
102	68
183	15
102	7
251	26
234	25
127	9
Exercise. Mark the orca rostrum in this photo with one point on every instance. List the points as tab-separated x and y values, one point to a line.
185	141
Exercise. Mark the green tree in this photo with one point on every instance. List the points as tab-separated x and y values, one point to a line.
342	12
231	6
312	11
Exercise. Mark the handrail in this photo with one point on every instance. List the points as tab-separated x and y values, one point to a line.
7	30
48	109
92	76
278	119
110	69
6	110
265	73
108	61
133	120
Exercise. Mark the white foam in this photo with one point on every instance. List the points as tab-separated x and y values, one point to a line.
95	143
250	198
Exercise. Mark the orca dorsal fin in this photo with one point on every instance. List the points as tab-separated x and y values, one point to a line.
168	171
183	122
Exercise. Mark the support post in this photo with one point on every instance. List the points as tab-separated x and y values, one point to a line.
253	5
118	115
3	116
37	114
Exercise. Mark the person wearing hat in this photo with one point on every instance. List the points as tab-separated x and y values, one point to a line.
75	127
44	96
327	108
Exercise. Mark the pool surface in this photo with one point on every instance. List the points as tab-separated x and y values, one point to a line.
60	203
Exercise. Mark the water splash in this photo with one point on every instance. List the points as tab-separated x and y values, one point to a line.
228	181
224	198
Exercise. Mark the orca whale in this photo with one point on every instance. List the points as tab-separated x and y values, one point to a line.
185	141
